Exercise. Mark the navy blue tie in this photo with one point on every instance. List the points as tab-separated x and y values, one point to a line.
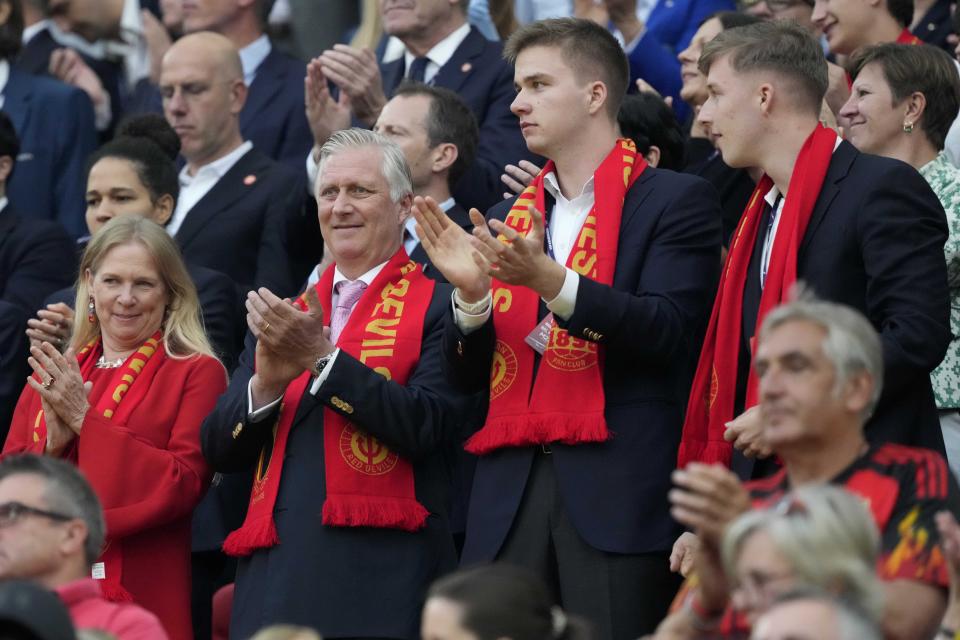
418	69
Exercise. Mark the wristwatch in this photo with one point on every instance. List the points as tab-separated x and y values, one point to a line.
321	363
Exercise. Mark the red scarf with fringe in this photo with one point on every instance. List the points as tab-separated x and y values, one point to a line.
368	485
712	395
567	401
141	366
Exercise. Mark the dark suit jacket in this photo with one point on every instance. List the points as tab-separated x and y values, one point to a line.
355	582
875	242
479	74
241	227
56	128
650	322
13	361
273	117
31	260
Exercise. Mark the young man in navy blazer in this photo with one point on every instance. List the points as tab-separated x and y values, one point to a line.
576	489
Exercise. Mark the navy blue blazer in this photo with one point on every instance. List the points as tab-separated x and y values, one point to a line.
56	128
875	242
273	118
31	260
345	582
13	361
651	322
480	75
241	227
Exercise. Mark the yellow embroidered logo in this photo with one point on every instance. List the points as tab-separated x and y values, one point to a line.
566	353
366	454
504	369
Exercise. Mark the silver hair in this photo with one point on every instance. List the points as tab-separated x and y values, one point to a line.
828	537
851	343
394	166
852	622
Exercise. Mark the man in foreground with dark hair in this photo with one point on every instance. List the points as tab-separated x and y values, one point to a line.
591	336
53	531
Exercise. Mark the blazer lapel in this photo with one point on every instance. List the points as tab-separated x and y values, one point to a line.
230	188
16	101
839	167
391	74
270	79
635	197
453	74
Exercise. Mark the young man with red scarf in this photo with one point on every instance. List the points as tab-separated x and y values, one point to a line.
858	229
597	308
341	406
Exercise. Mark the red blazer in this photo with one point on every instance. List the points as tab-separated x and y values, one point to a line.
149	474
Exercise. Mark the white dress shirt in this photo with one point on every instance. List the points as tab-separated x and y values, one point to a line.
4	78
194	187
440	54
252	56
261	413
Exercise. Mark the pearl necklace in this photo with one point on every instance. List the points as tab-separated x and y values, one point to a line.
103	363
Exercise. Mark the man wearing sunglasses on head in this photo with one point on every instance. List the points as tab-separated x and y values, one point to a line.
51	532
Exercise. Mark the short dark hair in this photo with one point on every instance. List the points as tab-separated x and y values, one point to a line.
925	69
504	601
66	492
731	19
151	145
448	120
901	10
11	32
587	48
781	46
9	141
647	120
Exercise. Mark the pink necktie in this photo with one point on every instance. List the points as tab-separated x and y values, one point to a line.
348	293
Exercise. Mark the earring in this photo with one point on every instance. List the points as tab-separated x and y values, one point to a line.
908	127
91	311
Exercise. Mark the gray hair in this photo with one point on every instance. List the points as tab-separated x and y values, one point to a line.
66	492
394	166
853	623
851	343
827	535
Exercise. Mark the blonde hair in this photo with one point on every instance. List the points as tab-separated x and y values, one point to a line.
371	26
183	335
826	534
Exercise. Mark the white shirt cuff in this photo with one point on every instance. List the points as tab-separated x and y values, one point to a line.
566	301
260	414
470	316
320	379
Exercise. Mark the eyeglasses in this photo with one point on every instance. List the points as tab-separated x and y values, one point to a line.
11	512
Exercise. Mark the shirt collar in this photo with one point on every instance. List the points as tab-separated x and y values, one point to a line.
441	52
552	186
411	223
3	203
29	33
253	55
218	167
131	22
367	278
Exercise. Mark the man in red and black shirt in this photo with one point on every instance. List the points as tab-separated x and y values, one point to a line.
819	368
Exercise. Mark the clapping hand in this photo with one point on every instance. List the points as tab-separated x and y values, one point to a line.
706	498
746	433
288	340
60	385
357	73
451	249
324	114
52	324
518	177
